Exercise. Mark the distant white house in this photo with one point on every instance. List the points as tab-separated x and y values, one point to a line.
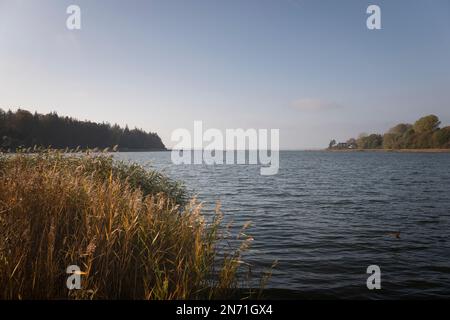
345	145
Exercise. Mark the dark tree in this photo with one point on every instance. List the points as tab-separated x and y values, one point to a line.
332	144
24	129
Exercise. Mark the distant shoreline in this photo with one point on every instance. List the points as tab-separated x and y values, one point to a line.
142	150
287	150
325	150
431	150
72	150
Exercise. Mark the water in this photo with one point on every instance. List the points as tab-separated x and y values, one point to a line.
326	217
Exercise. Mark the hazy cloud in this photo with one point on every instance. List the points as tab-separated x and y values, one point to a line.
314	104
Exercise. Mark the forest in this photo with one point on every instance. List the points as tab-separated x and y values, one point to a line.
23	129
425	133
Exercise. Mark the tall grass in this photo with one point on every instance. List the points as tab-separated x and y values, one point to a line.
131	231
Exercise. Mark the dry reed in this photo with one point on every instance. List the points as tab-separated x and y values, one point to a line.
131	231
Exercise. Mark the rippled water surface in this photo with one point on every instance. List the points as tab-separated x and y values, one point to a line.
327	216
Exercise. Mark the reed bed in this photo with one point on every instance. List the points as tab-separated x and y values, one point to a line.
133	232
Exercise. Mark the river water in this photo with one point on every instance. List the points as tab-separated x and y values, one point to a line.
326	216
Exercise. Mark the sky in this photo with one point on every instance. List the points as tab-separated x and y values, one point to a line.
310	68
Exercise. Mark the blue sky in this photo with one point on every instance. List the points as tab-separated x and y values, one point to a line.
307	67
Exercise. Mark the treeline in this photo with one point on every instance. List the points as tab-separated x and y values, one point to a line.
425	133
24	129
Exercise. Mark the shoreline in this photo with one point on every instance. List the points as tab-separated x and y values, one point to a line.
66	150
437	150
